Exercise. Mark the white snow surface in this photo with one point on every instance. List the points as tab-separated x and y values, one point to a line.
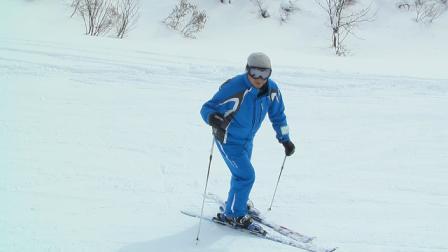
102	144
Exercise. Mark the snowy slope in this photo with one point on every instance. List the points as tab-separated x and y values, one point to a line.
100	151
102	143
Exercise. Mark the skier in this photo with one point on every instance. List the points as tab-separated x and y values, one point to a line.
235	113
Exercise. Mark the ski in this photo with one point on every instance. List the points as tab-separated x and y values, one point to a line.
264	235
256	216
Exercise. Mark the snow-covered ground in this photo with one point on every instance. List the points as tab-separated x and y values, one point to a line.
101	142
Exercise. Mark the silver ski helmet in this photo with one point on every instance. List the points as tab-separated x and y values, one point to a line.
259	66
259	60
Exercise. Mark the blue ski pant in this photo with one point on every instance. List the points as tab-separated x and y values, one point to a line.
237	158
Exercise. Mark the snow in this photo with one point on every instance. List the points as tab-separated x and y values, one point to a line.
102	143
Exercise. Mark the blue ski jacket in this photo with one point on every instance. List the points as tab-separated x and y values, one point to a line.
244	108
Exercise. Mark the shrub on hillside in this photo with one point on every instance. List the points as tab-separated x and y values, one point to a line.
187	19
101	16
261	9
287	8
126	16
425	10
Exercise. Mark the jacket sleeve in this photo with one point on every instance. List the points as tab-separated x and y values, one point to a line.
220	103
278	117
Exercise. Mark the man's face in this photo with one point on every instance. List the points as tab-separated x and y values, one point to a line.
258	83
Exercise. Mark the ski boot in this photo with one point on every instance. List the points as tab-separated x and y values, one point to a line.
248	223
221	217
244	222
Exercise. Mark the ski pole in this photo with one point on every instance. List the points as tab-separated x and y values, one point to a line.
205	190
275	191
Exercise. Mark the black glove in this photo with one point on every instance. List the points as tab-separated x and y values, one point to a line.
217	122
289	148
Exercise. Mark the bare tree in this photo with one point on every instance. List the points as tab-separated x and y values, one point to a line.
195	24
287	8
178	14
186	18
429	10
263	11
126	16
101	16
75	5
342	21
425	10
96	14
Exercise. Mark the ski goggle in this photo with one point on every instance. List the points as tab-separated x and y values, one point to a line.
259	73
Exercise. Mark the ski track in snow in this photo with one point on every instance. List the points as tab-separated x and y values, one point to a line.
100	149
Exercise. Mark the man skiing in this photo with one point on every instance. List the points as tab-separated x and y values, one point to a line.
235	113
